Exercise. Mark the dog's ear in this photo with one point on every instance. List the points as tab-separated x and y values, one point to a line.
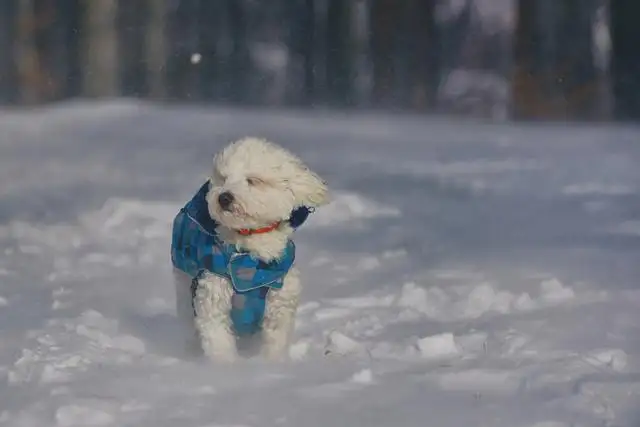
308	188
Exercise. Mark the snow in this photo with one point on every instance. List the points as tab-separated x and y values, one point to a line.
74	415
195	58
465	273
364	376
437	346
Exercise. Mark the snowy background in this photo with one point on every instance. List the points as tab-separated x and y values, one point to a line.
465	274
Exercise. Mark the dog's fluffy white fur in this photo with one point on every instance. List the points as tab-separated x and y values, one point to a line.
267	182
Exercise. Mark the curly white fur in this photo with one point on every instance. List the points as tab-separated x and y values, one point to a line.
267	182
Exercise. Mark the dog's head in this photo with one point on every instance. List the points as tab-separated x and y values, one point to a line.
256	183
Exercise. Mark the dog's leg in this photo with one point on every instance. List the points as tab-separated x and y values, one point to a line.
279	318
212	304
184	310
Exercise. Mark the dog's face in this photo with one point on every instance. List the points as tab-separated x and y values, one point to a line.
257	183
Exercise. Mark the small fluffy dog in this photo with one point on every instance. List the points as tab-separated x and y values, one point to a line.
232	253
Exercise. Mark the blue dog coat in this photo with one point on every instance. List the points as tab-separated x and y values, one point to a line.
196	248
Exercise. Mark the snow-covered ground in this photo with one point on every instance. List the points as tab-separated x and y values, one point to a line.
464	275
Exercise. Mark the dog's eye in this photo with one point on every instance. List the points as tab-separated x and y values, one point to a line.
254	181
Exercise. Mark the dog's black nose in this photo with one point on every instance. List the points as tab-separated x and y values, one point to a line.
225	199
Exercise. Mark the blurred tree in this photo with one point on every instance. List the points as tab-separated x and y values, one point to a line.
451	36
239	61
307	26
28	64
48	45
183	43
9	86
301	39
155	47
422	57
100	49
555	75
576	71
65	47
132	22
193	59
207	64
625	58
178	32
405	52
384	24
530	80
339	53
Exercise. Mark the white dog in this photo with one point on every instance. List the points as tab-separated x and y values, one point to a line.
232	253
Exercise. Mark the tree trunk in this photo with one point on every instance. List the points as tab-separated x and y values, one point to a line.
131	30
8	69
100	47
239	61
555	75
208	66
384	23
422	54
155	47
300	40
576	69
65	61
338	53
29	71
534	85
526	83
303	42
625	58
182	44
48	42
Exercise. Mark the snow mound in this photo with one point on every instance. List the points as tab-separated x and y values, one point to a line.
338	344
299	350
474	301
346	207
627	228
75	415
135	218
479	380
436	346
597	189
364	376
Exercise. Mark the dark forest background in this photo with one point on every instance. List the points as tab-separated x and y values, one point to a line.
520	59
